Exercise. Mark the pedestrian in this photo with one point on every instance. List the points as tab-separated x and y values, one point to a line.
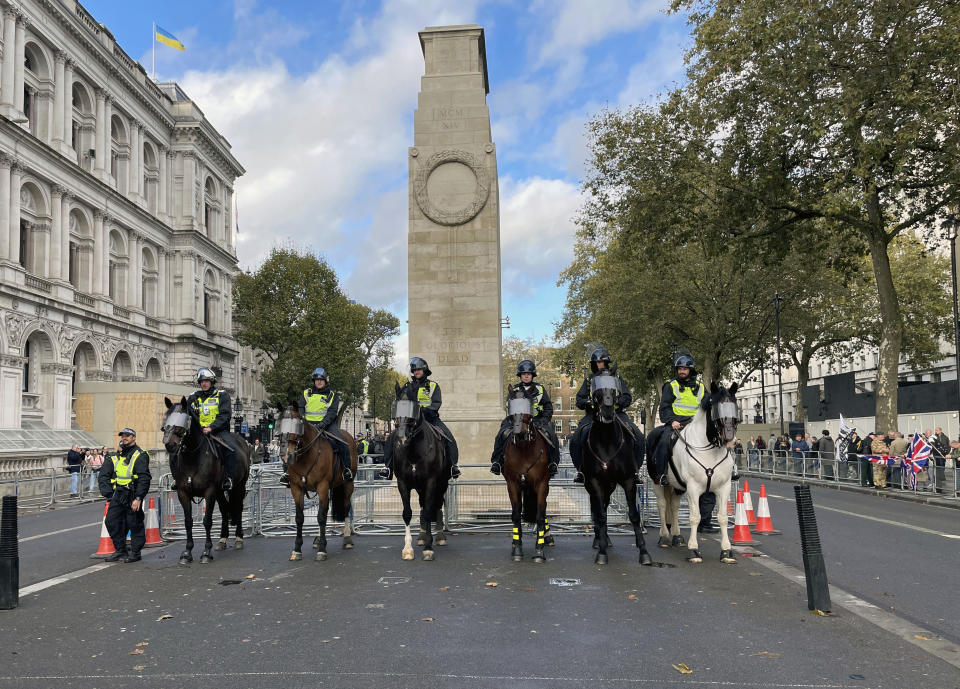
257	451
125	482
879	448
761	449
74	465
273	451
898	448
941	448
799	447
827	451
95	461
853	446
752	453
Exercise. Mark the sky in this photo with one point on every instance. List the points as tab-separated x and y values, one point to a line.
317	99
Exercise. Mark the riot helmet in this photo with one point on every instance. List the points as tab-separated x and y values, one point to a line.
418	364
319	373
206	374
527	366
686	361
600	354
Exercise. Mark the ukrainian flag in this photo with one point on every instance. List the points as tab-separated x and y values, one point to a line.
169	39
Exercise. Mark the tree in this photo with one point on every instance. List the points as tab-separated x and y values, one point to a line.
381	391
844	111
293	311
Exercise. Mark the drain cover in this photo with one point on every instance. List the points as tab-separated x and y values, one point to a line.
393	580
564	582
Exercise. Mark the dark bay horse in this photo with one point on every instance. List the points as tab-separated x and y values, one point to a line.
526	457
607	463
419	464
198	473
312	465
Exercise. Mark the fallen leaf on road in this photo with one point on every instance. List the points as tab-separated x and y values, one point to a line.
492	584
143	643
139	668
766	654
732	603
821	613
921	637
251	576
533	631
755	574
631	597
444	588
136	652
529	588
164	617
426	619
683	669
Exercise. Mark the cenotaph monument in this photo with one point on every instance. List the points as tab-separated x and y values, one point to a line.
454	238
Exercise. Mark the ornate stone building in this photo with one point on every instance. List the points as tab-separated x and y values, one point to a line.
116	236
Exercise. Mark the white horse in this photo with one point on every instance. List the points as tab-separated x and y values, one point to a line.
701	462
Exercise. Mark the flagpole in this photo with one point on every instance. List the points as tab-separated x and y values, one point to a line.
153	50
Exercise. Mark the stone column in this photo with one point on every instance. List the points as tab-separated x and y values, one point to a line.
133	286
105	255
133	179
108	134
98	253
9	58
65	238
228	239
56	213
100	146
6	161
40	238
58	97
186	294
162	183
16	171
21	41
68	108
161	282
189	191
11	385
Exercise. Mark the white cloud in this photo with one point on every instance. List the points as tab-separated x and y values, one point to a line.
662	66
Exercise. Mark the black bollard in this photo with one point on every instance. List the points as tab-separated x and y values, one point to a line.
9	555
818	590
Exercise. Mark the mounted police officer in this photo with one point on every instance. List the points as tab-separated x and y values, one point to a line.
679	402
125	481
320	405
542	415
427	393
602	365
212	407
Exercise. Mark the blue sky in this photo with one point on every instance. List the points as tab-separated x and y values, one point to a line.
317	100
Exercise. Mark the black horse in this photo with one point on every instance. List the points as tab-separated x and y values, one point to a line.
608	463
198	473
419	463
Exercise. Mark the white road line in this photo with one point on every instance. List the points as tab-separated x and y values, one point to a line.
909	632
41	585
54	533
891	522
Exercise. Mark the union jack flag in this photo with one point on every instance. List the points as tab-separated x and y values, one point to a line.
917	459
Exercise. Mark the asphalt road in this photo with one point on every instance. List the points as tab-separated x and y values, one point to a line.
365	618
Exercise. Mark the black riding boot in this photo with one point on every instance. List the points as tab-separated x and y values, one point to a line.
345	463
285	478
496	459
576	455
173	486
453	453
660	453
387	470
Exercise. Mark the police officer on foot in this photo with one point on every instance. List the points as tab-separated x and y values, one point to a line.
320	405
125	482
602	365
427	393
542	409
212	407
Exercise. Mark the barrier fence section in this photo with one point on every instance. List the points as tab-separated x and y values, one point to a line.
471	505
943	481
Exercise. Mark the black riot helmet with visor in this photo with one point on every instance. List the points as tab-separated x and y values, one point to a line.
527	366
600	354
418	364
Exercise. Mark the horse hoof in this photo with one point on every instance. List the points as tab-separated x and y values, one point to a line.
441	540
727	558
550	542
518	558
601	559
295	556
348	543
664	542
238	544
539	559
678	541
186	560
221	545
407	554
320	557
206	559
419	542
428	555
645	559
695	557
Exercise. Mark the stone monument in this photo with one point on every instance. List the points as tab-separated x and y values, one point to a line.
454	238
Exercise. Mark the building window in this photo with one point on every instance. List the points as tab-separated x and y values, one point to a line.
74	273
573	402
112	281
207	310
558	406
26	367
558	426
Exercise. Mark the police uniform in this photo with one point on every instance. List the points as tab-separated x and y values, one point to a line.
125	477
320	407
542	409
585	402
427	393
213	409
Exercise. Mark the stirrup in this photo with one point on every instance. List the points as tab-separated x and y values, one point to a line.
227	484
454	471
664	481
496	468
347	474
285	479
552	468
579	477
384	473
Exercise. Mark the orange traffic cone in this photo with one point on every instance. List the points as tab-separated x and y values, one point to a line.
106	543
152	526
764	523
741	530
748	505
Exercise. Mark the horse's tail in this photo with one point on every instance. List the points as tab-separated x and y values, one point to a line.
528	503
338	503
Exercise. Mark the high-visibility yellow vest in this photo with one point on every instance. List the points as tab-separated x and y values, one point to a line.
317	404
425	394
685	400
536	401
207	409
123	470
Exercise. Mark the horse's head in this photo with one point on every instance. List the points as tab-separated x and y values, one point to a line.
604	390
721	404
406	415
176	424
290	430
520	409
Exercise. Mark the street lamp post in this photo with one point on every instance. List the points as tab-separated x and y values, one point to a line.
777	300
756	416
955	222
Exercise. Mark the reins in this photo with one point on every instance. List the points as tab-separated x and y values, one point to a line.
687	446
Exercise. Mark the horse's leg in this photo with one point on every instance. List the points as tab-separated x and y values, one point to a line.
599	523
693	504
186	557
542	489
441	532
208	526
427	510
323	498
516	550
223	504
407	552
297	494
236	511
347	522
726	552
630	490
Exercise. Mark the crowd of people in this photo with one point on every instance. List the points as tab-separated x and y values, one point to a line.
80	457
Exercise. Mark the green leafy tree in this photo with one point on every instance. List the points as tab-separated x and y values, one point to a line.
381	391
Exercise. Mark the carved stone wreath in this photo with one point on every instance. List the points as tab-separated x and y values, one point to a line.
461	215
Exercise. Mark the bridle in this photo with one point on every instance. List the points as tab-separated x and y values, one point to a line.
717	424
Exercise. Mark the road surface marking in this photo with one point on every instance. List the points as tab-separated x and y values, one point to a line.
54	533
909	632
891	522
41	585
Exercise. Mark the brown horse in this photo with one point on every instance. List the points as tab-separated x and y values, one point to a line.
526	458
312	466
